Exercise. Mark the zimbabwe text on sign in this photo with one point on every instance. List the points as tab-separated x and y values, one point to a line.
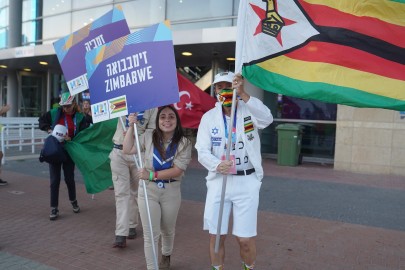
139	68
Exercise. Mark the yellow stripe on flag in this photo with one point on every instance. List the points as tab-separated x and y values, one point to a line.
336	75
384	10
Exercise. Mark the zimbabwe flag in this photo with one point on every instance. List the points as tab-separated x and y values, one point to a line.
348	52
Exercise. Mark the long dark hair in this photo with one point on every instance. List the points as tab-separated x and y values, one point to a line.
158	134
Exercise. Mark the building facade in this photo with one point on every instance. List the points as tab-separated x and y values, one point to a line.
31	78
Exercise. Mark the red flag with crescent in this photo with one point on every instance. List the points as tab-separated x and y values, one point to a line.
193	102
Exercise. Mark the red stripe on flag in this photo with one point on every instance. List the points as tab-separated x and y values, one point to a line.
348	57
119	105
326	16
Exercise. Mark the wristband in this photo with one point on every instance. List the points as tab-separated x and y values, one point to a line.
156	175
150	175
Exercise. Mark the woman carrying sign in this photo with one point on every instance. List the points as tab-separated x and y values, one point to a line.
166	153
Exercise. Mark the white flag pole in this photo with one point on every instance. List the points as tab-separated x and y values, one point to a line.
146	199
225	176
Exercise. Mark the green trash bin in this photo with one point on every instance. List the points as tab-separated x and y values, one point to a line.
289	144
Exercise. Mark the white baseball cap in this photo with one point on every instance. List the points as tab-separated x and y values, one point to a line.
59	132
226	76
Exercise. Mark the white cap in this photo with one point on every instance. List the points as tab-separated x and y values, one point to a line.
59	132
224	77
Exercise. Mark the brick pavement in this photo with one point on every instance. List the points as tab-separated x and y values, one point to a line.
28	240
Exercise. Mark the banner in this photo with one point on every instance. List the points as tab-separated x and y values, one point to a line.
72	49
345	52
133	73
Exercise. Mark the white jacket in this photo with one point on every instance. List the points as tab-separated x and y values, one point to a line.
211	134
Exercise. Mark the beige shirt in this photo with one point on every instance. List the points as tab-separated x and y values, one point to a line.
148	122
181	159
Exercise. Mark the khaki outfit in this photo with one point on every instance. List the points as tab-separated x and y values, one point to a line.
123	169
164	203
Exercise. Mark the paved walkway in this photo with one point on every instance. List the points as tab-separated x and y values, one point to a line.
311	217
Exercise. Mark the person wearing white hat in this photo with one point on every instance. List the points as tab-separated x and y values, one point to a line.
64	123
243	169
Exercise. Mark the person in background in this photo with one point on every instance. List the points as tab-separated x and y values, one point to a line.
86	110
243	169
3	110
69	116
166	154
125	181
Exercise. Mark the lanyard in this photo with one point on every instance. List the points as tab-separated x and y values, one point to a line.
74	124
233	128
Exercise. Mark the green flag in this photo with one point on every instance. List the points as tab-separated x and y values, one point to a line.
89	150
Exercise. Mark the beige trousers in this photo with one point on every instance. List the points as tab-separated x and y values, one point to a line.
164	205
125	182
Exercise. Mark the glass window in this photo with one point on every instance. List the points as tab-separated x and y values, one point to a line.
31	90
31	31
3	16
197	9
87	16
3	3
200	25
79	4
3	38
296	108
30	10
53	28
51	7
144	12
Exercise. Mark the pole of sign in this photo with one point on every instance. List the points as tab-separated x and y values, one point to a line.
225	176
146	200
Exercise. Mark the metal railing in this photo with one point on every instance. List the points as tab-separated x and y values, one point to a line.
17	132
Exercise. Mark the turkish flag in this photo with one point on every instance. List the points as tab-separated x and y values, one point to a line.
193	103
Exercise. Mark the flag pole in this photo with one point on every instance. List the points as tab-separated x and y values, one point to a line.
225	176
146	199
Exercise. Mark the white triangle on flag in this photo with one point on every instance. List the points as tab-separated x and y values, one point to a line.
251	47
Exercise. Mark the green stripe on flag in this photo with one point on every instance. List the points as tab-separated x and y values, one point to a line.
269	81
398	1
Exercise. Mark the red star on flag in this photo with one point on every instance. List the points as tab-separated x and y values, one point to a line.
261	13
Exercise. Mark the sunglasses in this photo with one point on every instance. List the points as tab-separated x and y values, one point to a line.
67	106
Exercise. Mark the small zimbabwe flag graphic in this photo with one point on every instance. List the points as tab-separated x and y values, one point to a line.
118	105
248	127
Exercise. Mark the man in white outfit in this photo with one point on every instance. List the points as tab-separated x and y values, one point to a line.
244	168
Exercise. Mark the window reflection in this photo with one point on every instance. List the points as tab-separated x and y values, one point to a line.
296	108
87	16
62	29
3	15
30	10
143	12
199	25
31	32
194	9
79	4
3	38
51	7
